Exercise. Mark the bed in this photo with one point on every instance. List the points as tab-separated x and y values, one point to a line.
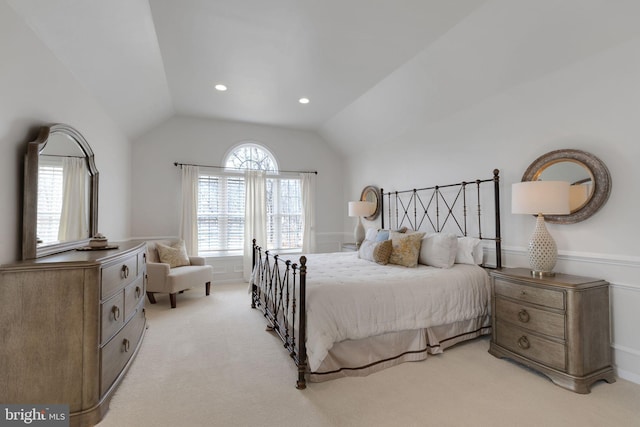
352	313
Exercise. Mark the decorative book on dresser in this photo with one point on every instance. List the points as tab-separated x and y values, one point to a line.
556	325
71	324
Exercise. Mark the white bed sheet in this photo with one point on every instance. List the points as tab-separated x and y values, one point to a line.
351	298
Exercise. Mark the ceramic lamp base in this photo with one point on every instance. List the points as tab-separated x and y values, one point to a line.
543	252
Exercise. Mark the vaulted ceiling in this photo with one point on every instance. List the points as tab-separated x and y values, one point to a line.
369	67
145	60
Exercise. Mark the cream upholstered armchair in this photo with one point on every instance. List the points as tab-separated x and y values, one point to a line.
170	270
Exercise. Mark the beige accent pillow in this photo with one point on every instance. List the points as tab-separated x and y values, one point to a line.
378	252
406	248
174	255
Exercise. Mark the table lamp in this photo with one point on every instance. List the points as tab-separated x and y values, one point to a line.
540	198
360	209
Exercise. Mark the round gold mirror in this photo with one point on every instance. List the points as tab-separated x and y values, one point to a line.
371	194
589	179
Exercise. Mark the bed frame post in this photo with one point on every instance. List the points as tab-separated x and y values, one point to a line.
302	326
253	285
496	188
381	207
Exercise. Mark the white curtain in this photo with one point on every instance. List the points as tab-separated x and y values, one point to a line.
74	216
189	213
255	216
308	212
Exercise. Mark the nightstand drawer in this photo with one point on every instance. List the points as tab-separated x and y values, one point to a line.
545	297
541	321
532	347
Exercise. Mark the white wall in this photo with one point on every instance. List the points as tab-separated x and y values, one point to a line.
156	181
36	89
589	103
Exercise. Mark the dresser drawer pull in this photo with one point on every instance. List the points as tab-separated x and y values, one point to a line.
523	343
138	291
125	345
116	312
523	293
125	271
523	316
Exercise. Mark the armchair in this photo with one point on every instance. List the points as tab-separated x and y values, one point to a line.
162	278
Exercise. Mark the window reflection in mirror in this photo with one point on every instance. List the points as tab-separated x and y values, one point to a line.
63	192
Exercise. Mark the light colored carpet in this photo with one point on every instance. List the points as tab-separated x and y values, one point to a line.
209	362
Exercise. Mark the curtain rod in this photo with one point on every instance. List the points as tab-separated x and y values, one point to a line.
234	169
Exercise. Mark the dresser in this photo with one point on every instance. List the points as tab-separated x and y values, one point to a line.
556	325
71	325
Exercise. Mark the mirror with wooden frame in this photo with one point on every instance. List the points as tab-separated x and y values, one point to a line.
589	179
60	203
371	194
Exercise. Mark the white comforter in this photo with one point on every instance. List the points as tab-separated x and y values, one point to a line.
350	298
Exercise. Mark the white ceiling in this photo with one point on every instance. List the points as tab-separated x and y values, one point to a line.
145	60
372	68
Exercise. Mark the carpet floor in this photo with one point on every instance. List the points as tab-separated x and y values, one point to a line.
209	362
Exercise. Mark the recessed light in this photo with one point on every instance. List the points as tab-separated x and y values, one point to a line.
220	87
303	100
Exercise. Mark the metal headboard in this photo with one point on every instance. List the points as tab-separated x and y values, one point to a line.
445	207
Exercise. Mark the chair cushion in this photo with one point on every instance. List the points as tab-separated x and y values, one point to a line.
181	278
175	255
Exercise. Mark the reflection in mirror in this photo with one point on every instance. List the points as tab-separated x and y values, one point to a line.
63	184
60	192
576	173
371	194
589	178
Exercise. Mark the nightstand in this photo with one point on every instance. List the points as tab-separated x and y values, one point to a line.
349	247
557	325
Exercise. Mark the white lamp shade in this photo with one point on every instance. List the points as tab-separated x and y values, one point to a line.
540	197
361	208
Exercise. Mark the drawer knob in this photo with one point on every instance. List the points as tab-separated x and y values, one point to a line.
523	343
125	271
523	316
138	292
116	312
523	293
125	345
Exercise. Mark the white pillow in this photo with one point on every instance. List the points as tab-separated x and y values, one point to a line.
469	251
371	234
439	250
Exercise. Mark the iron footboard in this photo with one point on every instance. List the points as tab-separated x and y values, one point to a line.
278	289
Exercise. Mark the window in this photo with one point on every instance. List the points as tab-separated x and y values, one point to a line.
49	199
221	197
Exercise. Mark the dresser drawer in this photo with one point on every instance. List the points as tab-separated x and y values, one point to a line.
112	313
115	355
520	341
133	293
545	297
535	319
119	275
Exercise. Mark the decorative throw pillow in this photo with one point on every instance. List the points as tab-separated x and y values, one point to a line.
383	234
174	255
378	252
406	248
439	250
469	251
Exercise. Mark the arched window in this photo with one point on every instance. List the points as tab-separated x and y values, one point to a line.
221	199
250	156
